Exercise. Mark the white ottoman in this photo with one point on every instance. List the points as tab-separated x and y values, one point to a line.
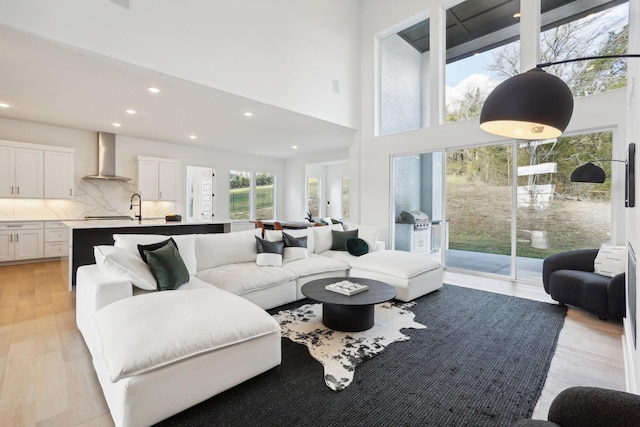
412	274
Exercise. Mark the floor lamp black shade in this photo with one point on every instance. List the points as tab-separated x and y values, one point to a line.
588	173
531	105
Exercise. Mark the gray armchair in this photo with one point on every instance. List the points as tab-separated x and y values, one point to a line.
590	407
569	278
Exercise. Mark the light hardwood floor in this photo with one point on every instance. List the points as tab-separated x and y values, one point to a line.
47	379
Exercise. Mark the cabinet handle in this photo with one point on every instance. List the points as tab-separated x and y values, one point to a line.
160	194
71	192
17	238
12	189
14	225
18	189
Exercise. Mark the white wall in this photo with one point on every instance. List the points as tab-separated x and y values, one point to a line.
294	187
112	198
285	53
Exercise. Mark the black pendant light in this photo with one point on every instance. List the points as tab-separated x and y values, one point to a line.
532	105
588	173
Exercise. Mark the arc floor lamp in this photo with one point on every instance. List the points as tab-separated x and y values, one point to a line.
537	105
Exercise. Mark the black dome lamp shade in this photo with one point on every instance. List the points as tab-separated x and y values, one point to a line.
532	105
588	173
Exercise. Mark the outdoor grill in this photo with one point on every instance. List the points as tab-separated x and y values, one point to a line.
413	232
419	219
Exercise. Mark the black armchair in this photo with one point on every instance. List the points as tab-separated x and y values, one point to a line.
569	278
590	407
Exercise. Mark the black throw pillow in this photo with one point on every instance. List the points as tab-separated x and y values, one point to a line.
154	246
339	239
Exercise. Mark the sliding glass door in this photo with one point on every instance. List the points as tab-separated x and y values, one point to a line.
504	207
479	209
554	214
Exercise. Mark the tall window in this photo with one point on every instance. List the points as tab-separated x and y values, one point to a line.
579	29
251	195
483	49
554	214
345	197
404	79
313	196
265	196
239	195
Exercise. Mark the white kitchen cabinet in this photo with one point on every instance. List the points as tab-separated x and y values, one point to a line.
22	172
21	241
158	178
58	175
56	239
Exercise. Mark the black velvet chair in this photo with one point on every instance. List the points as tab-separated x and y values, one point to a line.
590	407
569	278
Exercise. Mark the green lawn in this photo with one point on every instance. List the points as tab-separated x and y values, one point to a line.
239	202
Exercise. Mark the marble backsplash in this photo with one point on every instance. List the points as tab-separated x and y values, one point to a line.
92	198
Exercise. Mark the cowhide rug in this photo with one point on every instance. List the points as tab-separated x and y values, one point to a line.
340	352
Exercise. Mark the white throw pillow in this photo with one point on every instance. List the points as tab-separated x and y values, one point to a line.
186	245
611	260
122	263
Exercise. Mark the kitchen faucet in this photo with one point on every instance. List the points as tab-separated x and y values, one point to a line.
139	205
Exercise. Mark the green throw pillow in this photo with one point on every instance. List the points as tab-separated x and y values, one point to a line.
167	267
357	247
339	239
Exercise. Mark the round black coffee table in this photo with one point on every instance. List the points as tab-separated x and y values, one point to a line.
348	313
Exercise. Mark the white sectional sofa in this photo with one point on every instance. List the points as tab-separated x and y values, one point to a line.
157	353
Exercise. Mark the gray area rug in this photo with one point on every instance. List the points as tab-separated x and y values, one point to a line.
481	361
341	352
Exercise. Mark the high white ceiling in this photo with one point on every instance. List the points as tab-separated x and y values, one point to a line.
47	82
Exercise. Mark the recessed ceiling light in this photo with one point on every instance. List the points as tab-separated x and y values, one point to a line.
295	147
248	114
154	90
130	111
192	137
4	105
517	15
116	124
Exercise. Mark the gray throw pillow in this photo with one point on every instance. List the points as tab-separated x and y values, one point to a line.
294	248
269	253
339	239
167	267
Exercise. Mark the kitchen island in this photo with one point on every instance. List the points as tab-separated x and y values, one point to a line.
85	234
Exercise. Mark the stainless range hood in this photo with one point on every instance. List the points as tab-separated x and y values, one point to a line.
107	159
